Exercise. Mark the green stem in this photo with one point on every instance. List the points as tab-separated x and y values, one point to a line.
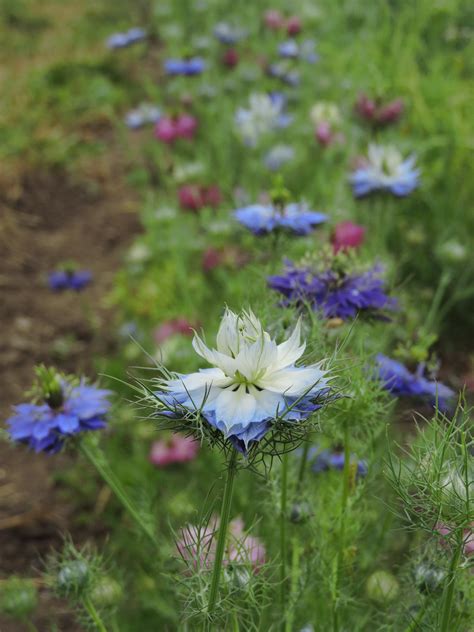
450	584
98	461
418	619
342	524
94	615
222	534
303	466
283	542
295	565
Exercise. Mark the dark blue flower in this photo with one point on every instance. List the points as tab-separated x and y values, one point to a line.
325	460
401	382
335	294
262	219
122	40
189	67
69	280
45	428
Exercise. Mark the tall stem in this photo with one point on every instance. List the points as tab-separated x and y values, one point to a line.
222	534
94	615
98	461
303	466
283	542
342	524
450	584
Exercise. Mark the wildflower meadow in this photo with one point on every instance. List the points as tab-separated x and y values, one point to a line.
237	309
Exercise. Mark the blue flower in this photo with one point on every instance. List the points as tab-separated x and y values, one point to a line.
305	51
401	382
252	383
69	280
262	219
122	40
335	294
278	156
228	34
45	428
142	115
287	75
325	460
189	67
385	170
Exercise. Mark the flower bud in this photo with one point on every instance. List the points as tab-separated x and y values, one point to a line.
73	577
428	578
323	134
186	126
300	512
107	592
382	587
293	25
190	198
18	598
50	386
230	58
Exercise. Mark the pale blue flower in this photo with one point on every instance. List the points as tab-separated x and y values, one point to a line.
385	170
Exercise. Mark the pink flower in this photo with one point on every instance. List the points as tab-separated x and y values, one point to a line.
230	58
347	235
391	112
323	134
273	19
193	197
468	536
377	113
211	196
211	259
293	26
165	130
186	126
173	327
198	546
178	449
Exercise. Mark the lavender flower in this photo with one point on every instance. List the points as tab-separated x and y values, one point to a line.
188	67
385	170
401	382
142	115
67	410
69	280
122	40
262	219
337	294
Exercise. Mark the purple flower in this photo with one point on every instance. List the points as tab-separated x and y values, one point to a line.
326	460
189	67
335	294
262	219
122	40
69	280
305	51
45	427
401	382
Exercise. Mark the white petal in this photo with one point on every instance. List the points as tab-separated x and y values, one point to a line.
290	351
269	404
235	407
256	357
193	381
228	335
294	382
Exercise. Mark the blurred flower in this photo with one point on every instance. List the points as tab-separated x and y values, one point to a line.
262	219
293	25
264	114
197	546
278	156
69	279
189	67
168	129
377	113
122	40
228	34
451	252
171	328
347	235
337	294
325	460
67	410
304	51
385	170
252	383
283	71
468	536
18	598
142	115
327	120
273	20
382	587
139	252
177	449
401	382
193	197
231	257
230	58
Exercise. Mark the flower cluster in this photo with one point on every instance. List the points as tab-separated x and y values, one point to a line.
401	382
385	169
68	409
254	382
262	219
334	292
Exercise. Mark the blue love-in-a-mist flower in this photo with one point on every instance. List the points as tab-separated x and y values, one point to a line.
142	115
401	382
122	40
68	409
335	293
278	156
228	34
188	67
265	218
285	73
305	50
265	113
254	381
385	169
325	460
69	280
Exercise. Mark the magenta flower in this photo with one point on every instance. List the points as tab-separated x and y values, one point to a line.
197	546
468	536
193	197
347	235
169	129
293	25
177	449
273	20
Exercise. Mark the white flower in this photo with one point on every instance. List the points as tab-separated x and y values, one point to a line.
263	115
385	169
253	380
325	112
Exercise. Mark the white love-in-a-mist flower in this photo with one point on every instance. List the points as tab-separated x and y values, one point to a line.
253	382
